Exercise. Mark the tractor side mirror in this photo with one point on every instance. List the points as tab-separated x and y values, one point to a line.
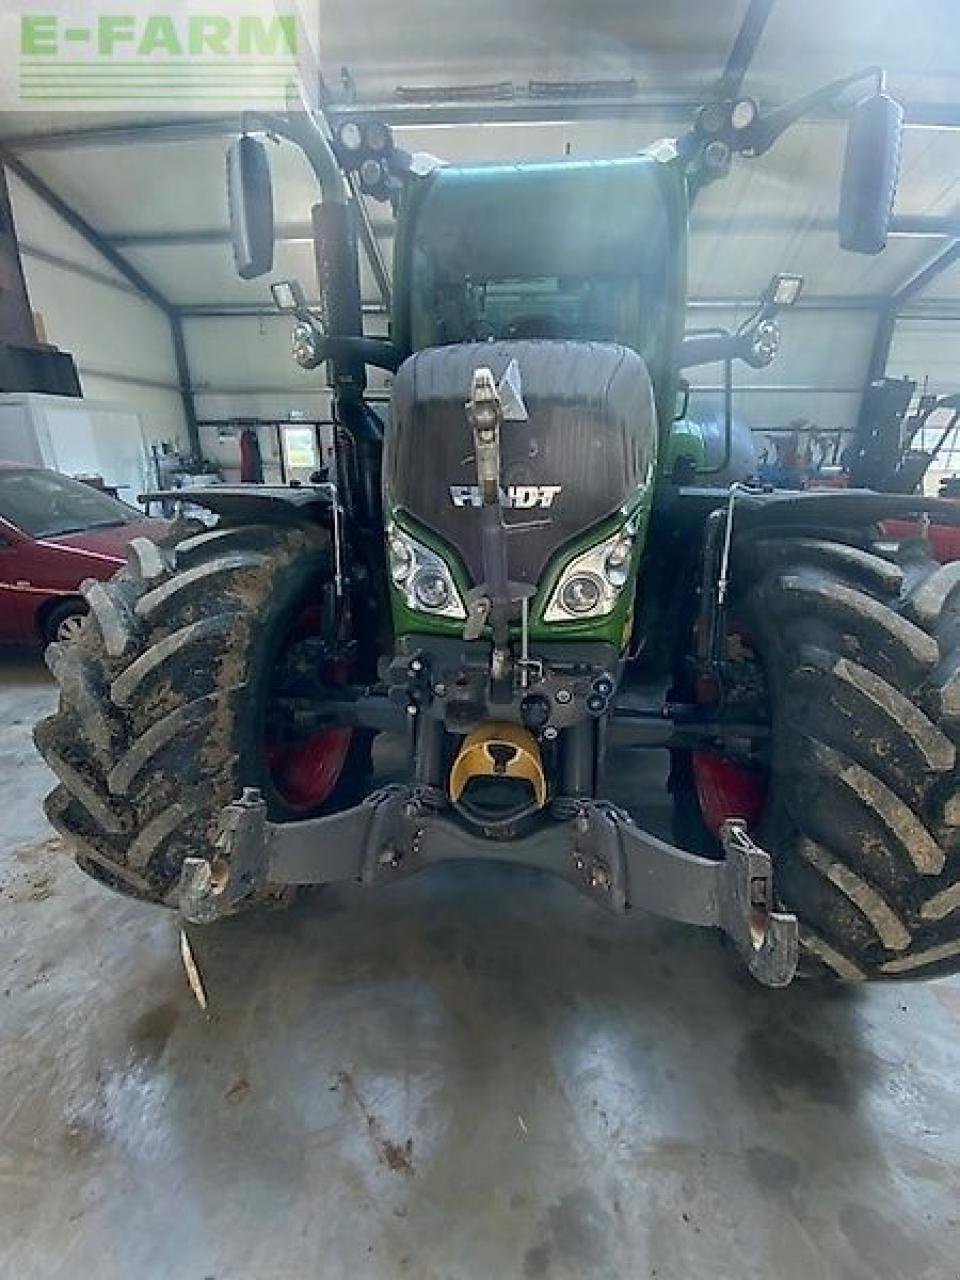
250	201
871	168
681	403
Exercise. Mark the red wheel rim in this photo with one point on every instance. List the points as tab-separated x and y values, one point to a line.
724	789
727	790
305	773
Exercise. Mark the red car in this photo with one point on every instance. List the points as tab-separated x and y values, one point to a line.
55	533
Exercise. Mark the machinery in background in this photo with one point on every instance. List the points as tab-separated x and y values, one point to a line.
904	470
790	456
891	450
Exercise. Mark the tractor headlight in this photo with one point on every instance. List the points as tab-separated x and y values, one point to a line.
590	585
422	578
581	594
305	345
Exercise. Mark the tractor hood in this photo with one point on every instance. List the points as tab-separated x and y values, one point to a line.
586	449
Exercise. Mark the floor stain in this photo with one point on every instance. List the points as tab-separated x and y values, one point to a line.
40	888
397	1156
41	976
578	1230
776	1059
238	1091
153	1029
37	849
81	1137
887	1250
773	1171
536	1262
36	882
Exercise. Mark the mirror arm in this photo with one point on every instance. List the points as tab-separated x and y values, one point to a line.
374	351
299	128
764	312
700	349
764	132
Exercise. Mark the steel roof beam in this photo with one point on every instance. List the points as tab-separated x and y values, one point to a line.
921	280
663	109
911	226
83	228
127	270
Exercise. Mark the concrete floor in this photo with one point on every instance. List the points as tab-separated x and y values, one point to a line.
476	1074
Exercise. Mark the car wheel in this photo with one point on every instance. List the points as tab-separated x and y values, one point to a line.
62	624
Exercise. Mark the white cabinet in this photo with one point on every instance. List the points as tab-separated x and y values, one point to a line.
78	437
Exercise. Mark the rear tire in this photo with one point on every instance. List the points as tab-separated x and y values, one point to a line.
861	659
163	700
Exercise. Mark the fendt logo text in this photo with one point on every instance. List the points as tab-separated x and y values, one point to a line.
516	496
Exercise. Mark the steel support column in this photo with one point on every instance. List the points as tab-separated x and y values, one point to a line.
184	382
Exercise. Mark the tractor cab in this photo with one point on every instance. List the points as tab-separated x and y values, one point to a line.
574	251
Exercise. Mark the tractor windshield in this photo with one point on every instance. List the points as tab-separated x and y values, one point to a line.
589	251
596	310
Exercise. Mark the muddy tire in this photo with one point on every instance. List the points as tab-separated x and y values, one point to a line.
163	700
861	662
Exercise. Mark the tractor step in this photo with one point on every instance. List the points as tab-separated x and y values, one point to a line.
595	846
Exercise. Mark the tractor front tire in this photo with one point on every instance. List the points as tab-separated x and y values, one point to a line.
861	662
163	700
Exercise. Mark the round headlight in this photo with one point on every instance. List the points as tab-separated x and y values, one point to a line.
744	113
430	589
372	175
378	136
581	594
304	345
351	136
617	564
765	343
401	560
717	156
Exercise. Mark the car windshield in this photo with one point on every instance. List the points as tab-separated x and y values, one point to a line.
44	504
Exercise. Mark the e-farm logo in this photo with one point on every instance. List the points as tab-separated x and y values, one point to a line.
182	52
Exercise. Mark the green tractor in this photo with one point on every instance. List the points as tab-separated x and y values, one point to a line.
531	560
